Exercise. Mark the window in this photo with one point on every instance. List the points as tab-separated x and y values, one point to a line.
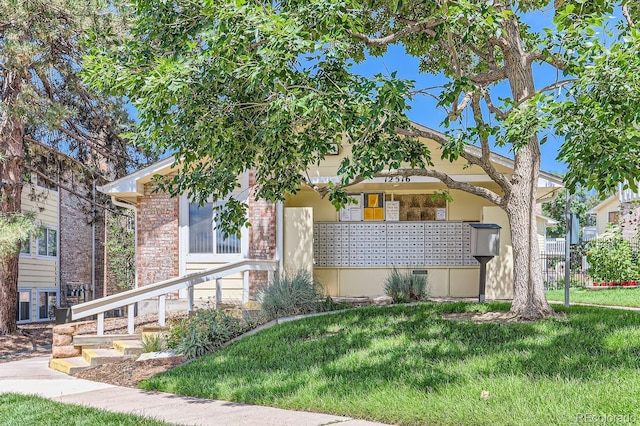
46	303
46	183
614	217
48	243
23	313
25	247
204	237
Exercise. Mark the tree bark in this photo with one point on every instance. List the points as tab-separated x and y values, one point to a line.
11	167
529	301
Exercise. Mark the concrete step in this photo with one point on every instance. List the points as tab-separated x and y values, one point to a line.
102	356
70	366
129	348
104	342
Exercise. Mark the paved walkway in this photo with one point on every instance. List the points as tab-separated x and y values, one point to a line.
33	376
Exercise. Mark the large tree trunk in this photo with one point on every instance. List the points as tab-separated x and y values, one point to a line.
529	301
11	167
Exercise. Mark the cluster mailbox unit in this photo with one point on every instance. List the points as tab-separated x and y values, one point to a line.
360	244
375	231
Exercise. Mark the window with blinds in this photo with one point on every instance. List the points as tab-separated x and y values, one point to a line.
205	237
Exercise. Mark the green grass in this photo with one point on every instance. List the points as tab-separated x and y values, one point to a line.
614	296
408	365
29	410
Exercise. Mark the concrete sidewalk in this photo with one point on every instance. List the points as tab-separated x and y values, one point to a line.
33	376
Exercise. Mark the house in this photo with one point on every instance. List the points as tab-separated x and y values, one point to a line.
607	212
622	208
398	223
61	263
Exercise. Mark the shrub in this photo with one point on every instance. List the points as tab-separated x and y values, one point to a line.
405	286
611	258
203	332
152	342
286	295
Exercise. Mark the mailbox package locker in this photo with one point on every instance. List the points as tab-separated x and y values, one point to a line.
360	244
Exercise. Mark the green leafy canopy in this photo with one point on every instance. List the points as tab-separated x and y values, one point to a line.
230	85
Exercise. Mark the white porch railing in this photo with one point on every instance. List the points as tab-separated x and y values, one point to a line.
161	289
554	246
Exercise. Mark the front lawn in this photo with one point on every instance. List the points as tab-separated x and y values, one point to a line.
409	365
612	296
29	410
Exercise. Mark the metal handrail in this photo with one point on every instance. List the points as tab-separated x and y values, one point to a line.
130	297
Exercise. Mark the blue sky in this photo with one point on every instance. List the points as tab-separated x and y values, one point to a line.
423	108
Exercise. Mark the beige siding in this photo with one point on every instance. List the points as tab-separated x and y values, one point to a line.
369	282
602	215
298	239
500	269
36	271
329	167
232	285
459	281
43	202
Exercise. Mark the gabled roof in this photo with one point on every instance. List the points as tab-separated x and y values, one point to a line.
607	201
546	179
548	220
132	186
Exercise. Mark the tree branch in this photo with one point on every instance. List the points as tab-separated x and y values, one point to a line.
488	77
71	191
492	108
66	157
85	141
553	60
485	162
458	108
627	15
442	177
423	26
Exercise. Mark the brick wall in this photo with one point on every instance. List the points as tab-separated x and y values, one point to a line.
262	236
629	219
157	256
75	249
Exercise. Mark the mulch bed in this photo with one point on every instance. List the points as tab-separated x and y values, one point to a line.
35	340
30	340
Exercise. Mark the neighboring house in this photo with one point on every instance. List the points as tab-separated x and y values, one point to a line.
397	223
606	212
622	209
61	263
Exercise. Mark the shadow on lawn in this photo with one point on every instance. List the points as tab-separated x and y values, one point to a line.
410	347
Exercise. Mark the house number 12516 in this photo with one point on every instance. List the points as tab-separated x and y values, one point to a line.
397	179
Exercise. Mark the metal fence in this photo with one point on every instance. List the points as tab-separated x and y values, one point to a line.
553	268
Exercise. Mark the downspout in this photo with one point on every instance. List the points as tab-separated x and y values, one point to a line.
134	209
93	244
280	236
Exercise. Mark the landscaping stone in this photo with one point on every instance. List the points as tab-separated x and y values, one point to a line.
65	351
62	339
382	300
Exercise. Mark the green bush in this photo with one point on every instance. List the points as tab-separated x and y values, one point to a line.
405	286
296	295
153	343
611	258
204	331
